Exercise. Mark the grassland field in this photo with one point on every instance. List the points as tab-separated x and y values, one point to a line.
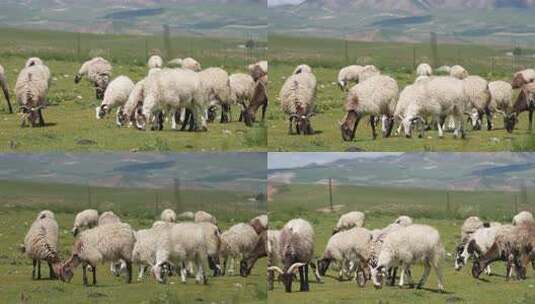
21	201
70	117
328	56
382	206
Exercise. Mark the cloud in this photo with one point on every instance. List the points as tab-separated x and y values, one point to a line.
282	2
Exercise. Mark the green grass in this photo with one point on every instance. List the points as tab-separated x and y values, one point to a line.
326	56
21	202
382	206
72	125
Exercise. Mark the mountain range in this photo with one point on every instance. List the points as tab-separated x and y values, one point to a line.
418	5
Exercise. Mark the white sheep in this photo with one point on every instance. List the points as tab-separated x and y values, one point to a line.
204	217
349	74
33	61
238	241
376	96
350	220
441	97
86	219
410	94
477	92
31	91
168	215
215	84
155	62
41	244
5	89
404	220
108	217
522	78
523	217
407	246
187	63
104	243
302	68
242	87
470	225
424	69
458	72
132	104
144	251
116	95
297	100
98	71
501	101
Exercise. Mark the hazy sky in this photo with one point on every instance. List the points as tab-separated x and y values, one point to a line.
280	2
292	160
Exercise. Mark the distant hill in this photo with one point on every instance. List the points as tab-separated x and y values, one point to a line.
419	5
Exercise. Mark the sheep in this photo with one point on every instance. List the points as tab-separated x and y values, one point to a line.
4	86
31	90
501	101
108	217
144	251
168	215
477	92
242	87
260	250
98	71
458	72
260	223
376	96
155	62
470	225
263	65
86	219
524	248
302	68
349	74
424	69
186	216
410	94
238	241
41	243
216	89
33	61
350	250
104	243
204	217
523	217
525	102
172	90
407	246
132	104
477	244
296	247
522	78
259	99
441	97
349	220
297	100
368	72
116	95
187	63
404	220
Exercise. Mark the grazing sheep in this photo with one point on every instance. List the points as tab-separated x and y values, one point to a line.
41	244
376	96
424	69
260	223
144	252
522	78
411	94
525	103
297	100
477	91
168	215
186	216
116	95
501	101
458	72
108	217
98	71
155	62
86	219
216	89
236	243
524	248
31	90
349	220
407	246
242	87
302	68
204	217
186	63
470	225
132	104
350	250
33	61
349	74
523	217
259	99
4	86
106	243
296	251
501	250
442	97
477	244
260	250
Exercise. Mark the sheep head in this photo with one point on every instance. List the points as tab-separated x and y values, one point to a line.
288	275
101	111
348	127
518	81
323	265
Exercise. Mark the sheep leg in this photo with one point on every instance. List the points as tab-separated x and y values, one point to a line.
128	272
38	269
84	274
425	275
372	123
488	270
317	273
290	126
488	113
393	276
264	109
52	274
34	268
41	119
142	269
303	275
94	275
271	278
183	274
440	130
530	119
440	280
201	276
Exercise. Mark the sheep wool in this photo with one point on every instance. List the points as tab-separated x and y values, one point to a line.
349	74
168	215
297	94
86	219
33	61
204	217
5	89
350	220
424	69
501	93
155	61
108	217
470	225
242	87
458	72
99	72
236	243
303	68
522	218
523	77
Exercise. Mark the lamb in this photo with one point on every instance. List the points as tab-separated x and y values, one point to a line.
4	86
98	71
302	68
501	101
242	87
522	78
296	250
350	250
470	225
86	219
259	99
216	89
236	243
187	63
116	95
168	215
155	62
407	246
442	97
204	217
523	217
108	217
458	72
477	91
260	223
349	74
106	243
33	61
376	97
31	90
477	244
41	244
424	69
297	100
349	220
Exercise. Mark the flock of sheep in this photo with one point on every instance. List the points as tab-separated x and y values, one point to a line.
184	93
377	255
181	244
440	101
